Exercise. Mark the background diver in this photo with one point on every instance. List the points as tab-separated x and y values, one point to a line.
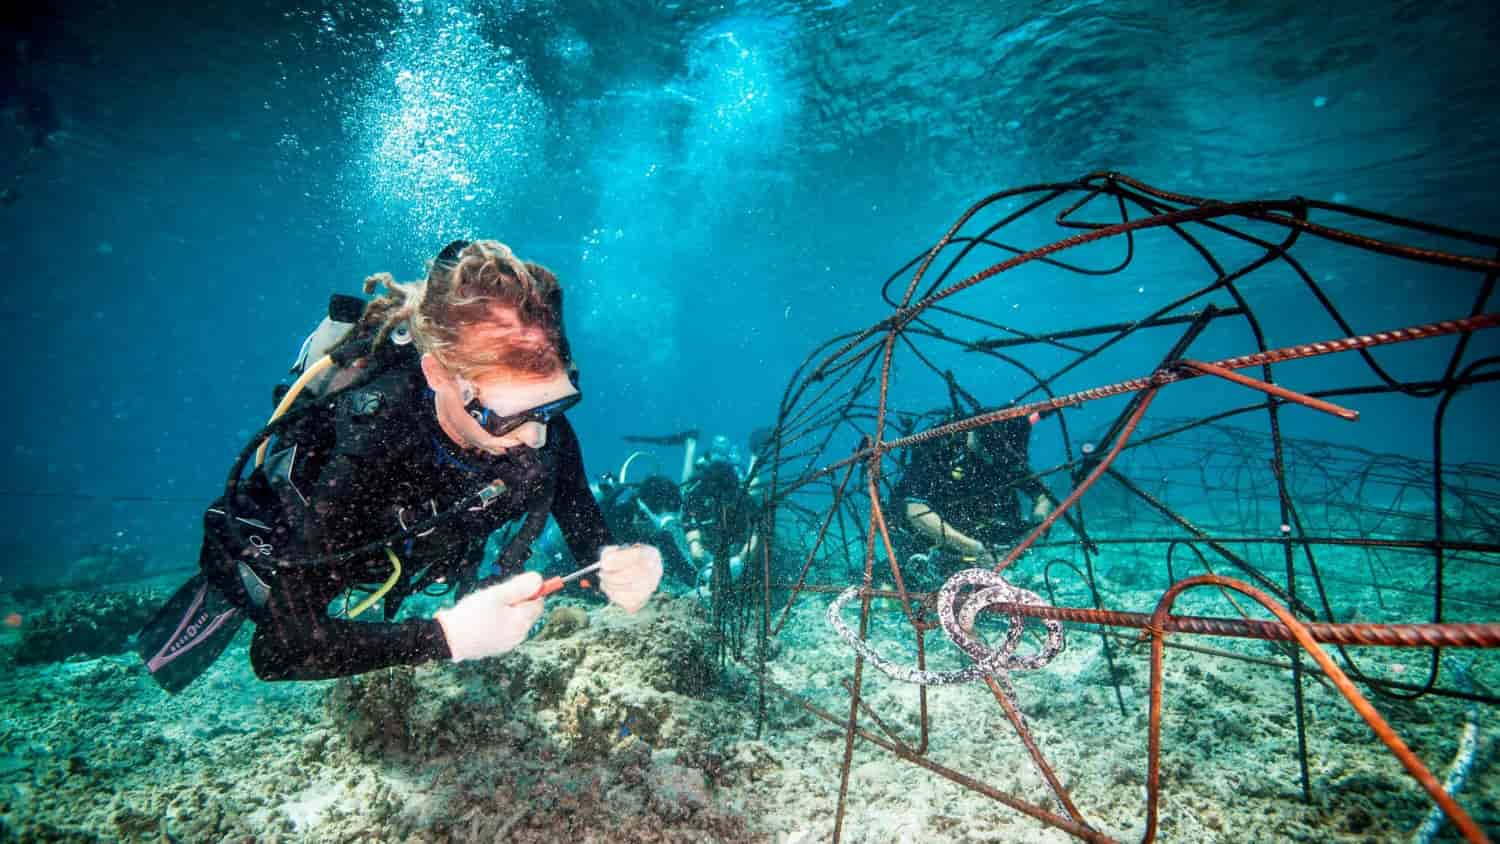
961	496
436	420
711	513
647	512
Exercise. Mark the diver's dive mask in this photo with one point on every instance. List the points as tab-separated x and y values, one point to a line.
498	426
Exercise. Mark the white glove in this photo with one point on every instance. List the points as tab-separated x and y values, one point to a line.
629	574
491	621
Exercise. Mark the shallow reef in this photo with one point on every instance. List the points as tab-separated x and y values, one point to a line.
608	727
56	625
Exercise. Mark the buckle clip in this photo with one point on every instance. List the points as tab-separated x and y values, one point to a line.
489	493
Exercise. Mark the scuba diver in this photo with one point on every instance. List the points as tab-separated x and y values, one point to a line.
960	496
647	513
719	511
719	518
436	418
711	513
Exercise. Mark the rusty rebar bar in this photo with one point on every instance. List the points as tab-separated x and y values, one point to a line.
861	364
1448	635
1301	633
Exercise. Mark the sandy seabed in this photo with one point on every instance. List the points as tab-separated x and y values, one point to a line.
607	727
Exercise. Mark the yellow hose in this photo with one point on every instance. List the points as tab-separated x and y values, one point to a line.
286	401
379	593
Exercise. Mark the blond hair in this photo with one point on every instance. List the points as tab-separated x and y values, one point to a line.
465	293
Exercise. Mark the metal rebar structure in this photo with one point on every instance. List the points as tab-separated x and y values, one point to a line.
1229	468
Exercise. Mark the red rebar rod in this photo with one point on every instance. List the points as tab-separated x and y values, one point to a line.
1078	491
1450	635
838	498
1065	824
1413	765
1272	389
878	517
1019	723
1163	377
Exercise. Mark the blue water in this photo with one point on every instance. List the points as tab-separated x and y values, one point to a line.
719	186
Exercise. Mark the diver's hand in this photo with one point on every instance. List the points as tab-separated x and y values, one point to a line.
629	574
493	620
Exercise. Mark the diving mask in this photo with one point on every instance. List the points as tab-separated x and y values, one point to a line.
497	425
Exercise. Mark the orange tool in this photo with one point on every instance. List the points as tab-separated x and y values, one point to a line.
554	584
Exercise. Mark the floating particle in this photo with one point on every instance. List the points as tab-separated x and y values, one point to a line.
13	620
1319	102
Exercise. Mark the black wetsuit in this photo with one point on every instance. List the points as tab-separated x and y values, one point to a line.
626	521
621	504
373	462
972	494
715	504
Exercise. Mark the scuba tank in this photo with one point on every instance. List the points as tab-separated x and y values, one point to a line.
343	314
